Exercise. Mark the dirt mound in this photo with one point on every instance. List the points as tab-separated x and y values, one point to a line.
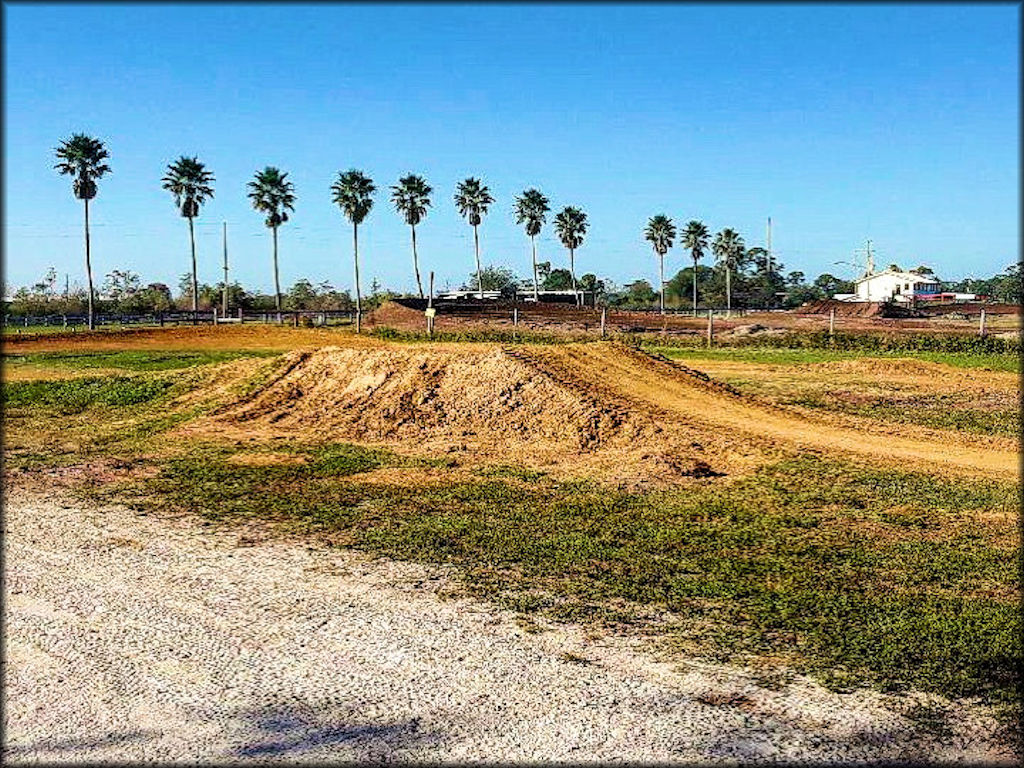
752	329
842	308
395	315
482	402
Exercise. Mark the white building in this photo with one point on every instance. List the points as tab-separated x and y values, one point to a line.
897	286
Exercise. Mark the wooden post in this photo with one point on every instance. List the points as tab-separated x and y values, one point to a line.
604	312
710	326
515	317
831	322
981	324
214	315
239	315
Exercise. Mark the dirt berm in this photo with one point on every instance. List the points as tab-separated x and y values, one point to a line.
477	401
597	409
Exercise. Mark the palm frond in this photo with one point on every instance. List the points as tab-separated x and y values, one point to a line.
661	233
82	156
571	226
472	198
531	209
271	193
411	198
695	238
353	193
190	183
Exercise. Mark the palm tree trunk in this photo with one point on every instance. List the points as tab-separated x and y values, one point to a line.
277	281
572	273
88	267
661	277
359	298
728	291
195	277
416	262
536	290
695	287
479	274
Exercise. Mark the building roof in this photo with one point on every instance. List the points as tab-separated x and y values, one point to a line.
907	276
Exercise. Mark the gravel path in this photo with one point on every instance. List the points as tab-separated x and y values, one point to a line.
133	638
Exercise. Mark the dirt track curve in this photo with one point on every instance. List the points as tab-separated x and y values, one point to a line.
645	382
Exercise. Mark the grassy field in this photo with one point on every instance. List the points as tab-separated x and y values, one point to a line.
859	573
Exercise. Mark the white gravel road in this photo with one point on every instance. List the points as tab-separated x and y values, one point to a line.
132	638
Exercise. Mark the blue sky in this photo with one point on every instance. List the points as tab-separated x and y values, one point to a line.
898	123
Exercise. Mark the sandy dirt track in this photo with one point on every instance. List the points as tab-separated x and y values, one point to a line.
134	638
644	382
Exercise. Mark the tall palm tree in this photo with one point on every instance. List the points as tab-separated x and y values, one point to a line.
571	226
271	193
695	238
190	183
473	199
82	157
411	197
532	209
353	193
728	249
661	233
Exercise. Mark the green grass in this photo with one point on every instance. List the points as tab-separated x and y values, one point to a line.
838	567
862	341
791	356
937	411
76	395
141	360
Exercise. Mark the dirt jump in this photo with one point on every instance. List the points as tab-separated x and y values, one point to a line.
611	410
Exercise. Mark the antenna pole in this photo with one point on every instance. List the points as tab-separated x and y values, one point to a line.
225	313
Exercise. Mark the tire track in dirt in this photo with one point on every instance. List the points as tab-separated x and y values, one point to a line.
647	383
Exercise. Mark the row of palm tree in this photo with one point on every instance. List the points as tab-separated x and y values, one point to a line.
272	194
728	248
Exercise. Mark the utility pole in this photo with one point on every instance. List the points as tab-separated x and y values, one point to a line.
225	308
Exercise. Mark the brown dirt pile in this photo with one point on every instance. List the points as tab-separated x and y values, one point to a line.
482	402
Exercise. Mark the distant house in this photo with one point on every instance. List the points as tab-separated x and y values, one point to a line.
892	285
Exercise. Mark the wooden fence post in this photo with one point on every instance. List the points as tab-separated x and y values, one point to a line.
515	316
831	322
710	326
604	312
981	324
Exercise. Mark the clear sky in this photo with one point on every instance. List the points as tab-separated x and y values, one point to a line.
898	123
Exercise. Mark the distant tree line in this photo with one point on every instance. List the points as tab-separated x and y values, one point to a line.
753	286
740	276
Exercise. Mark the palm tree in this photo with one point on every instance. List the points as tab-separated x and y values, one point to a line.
696	239
189	181
531	210
728	249
411	197
353	193
82	156
571	226
271	193
661	233
472	199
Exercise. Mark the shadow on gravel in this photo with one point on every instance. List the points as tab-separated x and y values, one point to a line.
69	747
277	732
